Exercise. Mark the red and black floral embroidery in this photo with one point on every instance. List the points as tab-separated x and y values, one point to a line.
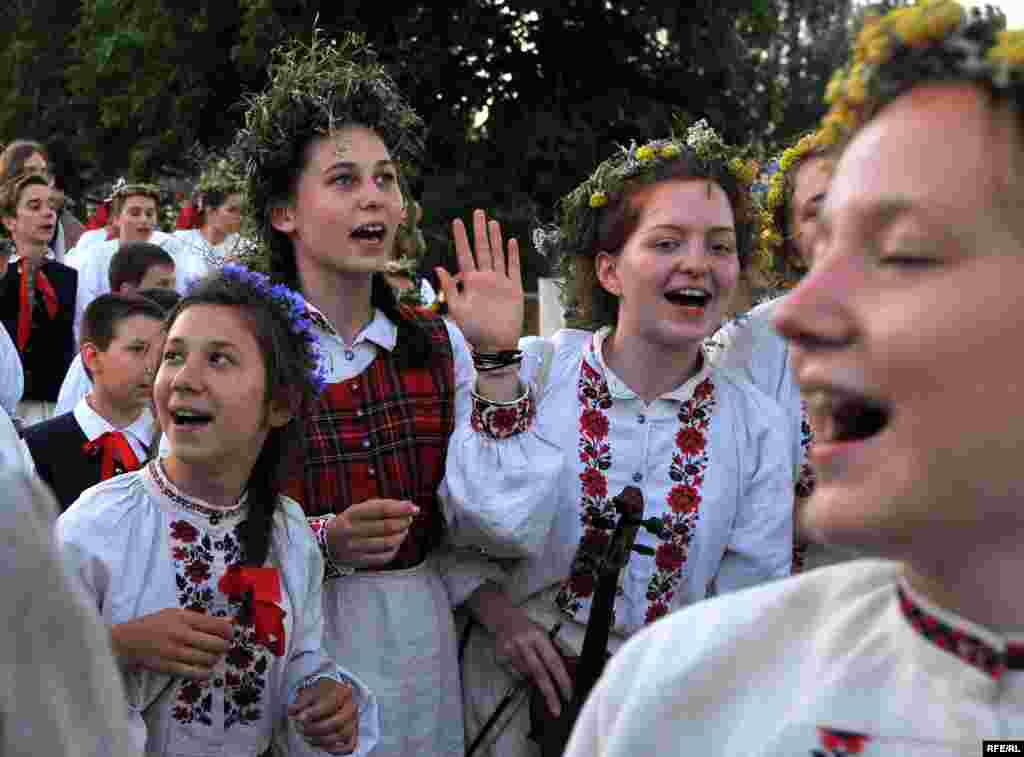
689	463
502	421
968	648
804	485
245	676
598	515
839	743
198	556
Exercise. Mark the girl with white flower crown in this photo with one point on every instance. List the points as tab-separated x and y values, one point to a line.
206	573
652	246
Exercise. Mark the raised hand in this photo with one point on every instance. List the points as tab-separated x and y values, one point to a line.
174	641
489	306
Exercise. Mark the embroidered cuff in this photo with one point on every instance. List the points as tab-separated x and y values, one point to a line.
332	569
502	420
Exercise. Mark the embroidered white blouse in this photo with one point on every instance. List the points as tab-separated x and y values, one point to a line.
138	545
841	661
205	253
711	458
752	348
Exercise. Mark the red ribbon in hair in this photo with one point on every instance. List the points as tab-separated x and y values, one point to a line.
260	591
25	309
117	454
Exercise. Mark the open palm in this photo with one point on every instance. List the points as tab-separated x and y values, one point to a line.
488	307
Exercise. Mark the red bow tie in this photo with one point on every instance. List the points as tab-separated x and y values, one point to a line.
117	454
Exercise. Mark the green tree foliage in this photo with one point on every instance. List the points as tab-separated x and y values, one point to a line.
521	97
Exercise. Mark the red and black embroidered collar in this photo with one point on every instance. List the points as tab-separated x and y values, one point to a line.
968	647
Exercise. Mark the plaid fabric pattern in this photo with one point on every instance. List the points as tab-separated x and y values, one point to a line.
384	434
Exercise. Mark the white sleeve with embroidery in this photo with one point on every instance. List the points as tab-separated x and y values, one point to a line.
501	472
760	547
303	573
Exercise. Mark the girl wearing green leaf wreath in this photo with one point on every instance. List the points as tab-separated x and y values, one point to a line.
218	214
323	148
651	246
750	345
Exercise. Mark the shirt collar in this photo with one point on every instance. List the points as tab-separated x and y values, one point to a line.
94	425
381	330
620	390
990	652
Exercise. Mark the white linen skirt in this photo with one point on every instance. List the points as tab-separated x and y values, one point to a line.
395	630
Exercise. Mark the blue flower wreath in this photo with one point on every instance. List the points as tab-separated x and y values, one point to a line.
293	307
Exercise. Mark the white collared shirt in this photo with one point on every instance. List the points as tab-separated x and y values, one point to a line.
139	433
94	270
779	670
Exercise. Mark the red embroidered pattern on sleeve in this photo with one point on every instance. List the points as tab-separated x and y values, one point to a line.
839	743
502	421
687	470
804	485
319	526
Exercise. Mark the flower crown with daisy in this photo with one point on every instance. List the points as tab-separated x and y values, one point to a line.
572	244
253	288
931	41
780	267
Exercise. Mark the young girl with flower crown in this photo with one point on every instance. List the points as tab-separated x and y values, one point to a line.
208	576
324	187
750	346
653	244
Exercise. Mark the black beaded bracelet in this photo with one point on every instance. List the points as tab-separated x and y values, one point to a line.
492	361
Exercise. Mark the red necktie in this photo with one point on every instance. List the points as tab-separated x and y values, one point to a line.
25	310
117	454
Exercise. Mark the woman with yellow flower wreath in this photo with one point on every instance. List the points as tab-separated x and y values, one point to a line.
750	345
897	333
651	248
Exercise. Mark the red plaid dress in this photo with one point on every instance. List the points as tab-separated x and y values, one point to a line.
384	434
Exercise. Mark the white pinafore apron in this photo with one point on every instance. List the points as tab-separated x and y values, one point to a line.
395	630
